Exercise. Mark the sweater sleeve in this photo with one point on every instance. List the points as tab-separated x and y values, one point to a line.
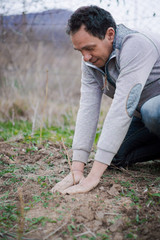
137	58
88	115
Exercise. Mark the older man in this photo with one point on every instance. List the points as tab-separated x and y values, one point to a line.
125	65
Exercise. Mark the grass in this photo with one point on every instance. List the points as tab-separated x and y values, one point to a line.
9	130
10	212
21	174
24	129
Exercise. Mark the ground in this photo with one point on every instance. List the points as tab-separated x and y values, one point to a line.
125	205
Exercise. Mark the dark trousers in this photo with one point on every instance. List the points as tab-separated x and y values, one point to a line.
142	142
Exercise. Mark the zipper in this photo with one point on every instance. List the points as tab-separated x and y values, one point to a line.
105	74
105	84
112	82
101	71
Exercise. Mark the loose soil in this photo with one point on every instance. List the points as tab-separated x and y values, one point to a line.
125	205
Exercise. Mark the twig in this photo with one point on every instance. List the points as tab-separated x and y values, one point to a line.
52	233
81	234
44	106
123	170
107	213
7	201
33	230
34	118
69	162
12	235
12	228
21	217
90	231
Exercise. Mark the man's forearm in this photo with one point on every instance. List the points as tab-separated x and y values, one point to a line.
98	169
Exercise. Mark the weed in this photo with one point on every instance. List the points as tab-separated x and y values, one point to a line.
31	149
29	168
70	228
12	168
103	236
9	215
131	236
126	184
133	196
39	220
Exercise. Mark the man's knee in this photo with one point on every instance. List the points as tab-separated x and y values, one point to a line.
151	115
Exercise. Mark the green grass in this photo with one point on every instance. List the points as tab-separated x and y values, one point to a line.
23	129
9	130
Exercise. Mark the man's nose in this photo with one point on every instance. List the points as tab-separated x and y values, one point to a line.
86	57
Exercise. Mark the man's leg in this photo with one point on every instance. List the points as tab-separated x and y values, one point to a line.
151	115
142	142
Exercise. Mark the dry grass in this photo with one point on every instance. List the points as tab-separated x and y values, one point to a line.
22	80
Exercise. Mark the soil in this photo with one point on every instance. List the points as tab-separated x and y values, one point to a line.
125	205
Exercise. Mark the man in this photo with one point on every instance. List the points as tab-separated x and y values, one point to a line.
125	65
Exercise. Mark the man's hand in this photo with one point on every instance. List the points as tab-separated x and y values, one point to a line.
85	185
68	181
77	168
90	182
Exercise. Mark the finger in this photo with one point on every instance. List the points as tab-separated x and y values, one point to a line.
65	183
76	189
73	190
82	179
62	186
82	187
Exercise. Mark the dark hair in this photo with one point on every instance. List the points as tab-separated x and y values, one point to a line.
96	21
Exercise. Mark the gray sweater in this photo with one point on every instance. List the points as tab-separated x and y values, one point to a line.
133	74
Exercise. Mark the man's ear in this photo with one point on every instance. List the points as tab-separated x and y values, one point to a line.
110	33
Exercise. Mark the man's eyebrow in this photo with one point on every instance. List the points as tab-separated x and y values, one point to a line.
85	47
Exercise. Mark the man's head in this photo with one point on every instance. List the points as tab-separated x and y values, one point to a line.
92	31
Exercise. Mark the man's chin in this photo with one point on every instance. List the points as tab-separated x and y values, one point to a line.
99	64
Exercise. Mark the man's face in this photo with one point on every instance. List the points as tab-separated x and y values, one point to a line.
93	49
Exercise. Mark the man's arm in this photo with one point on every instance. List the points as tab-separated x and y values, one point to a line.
86	125
88	115
136	60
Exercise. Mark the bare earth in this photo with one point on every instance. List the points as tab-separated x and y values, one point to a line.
125	205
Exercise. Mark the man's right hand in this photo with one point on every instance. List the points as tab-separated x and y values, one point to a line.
77	168
68	181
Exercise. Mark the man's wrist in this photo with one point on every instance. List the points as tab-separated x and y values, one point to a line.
77	166
98	169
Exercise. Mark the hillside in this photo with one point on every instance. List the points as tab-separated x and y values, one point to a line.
44	26
34	43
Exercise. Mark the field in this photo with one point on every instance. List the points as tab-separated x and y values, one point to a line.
125	205
39	97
